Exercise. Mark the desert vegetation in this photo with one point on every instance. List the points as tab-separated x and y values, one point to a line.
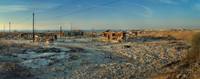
194	53
188	67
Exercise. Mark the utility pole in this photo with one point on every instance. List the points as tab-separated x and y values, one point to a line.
60	31
9	27
71	26
4	28
92	33
33	27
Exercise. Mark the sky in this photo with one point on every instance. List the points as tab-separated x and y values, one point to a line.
99	14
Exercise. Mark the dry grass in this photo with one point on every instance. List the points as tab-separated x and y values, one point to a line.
189	68
181	35
194	53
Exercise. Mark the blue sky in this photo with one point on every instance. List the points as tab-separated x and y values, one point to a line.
100	14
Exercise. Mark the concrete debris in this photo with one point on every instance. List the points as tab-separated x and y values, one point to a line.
106	71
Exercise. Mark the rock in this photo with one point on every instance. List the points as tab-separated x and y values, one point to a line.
43	50
36	63
74	57
76	50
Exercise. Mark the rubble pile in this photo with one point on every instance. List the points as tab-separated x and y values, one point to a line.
106	71
150	52
114	71
144	60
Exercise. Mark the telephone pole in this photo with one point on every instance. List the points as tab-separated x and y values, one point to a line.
71	27
33	27
4	28
9	27
60	31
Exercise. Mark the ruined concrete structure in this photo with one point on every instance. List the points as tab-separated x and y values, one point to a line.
114	36
61	34
40	37
50	37
27	36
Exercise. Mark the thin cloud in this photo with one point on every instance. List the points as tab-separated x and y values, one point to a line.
147	11
21	8
12	8
44	6
196	7
89	8
168	1
172	1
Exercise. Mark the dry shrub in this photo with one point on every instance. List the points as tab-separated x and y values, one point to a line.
189	67
182	35
194	53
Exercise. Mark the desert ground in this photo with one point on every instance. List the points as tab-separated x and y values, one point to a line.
90	58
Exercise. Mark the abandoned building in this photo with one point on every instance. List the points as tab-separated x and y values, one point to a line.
50	36
7	35
40	37
27	36
61	34
114	36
